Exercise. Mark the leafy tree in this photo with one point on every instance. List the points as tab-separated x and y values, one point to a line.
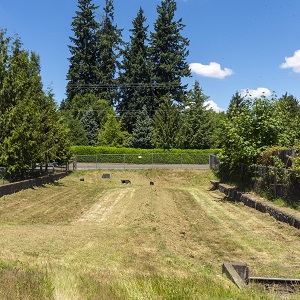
111	133
169	53
135	91
143	133
249	132
84	65
166	123
109	44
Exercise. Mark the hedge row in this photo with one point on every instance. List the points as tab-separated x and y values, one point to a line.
140	156
88	150
147	158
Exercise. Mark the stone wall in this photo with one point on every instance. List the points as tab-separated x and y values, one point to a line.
252	201
15	187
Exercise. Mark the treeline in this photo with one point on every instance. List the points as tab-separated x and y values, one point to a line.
31	128
131	94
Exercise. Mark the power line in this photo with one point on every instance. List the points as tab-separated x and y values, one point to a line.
125	85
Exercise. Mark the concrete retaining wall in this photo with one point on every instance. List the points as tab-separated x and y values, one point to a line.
250	200
15	187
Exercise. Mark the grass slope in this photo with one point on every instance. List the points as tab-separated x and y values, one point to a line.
101	239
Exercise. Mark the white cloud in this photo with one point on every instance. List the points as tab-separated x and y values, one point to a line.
212	70
247	93
292	62
214	106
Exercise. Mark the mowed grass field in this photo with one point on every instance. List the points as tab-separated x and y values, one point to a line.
101	239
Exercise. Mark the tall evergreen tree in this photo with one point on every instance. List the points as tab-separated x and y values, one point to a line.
236	105
90	126
135	91
82	103
288	111
216	135
166	122
4	62
143	133
54	134
77	112
31	129
77	134
196	124
290	105
109	39
111	133
168	53
84	68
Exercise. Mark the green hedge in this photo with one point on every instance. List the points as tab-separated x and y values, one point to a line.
88	150
141	156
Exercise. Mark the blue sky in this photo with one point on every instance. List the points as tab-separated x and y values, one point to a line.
235	45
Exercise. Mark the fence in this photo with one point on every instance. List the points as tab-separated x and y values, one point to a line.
271	181
15	187
37	170
214	162
277	182
274	182
147	160
53	167
2	175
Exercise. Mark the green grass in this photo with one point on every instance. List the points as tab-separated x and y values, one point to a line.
21	281
24	282
99	239
206	287
283	203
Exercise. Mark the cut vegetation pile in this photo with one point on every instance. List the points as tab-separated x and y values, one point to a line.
101	239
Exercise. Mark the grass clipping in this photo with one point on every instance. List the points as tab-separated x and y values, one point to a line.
101	239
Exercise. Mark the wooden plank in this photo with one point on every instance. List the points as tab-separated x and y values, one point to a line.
275	280
233	275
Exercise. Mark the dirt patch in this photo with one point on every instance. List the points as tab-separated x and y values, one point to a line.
101	211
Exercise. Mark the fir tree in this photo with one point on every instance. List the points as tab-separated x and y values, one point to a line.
84	68
143	133
31	129
135	91
166	122
90	126
168	53
109	39
236	105
195	130
111	133
77	134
